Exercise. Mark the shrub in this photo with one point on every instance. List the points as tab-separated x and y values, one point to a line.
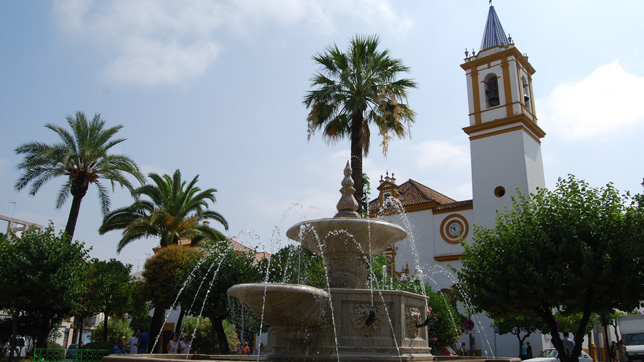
115	331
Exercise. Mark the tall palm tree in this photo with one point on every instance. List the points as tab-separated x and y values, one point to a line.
354	89
82	157
173	211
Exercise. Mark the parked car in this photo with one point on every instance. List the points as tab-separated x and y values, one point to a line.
71	351
552	355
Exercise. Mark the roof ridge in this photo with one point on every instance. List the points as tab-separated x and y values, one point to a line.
438	192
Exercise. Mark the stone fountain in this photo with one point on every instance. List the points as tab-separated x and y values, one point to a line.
346	322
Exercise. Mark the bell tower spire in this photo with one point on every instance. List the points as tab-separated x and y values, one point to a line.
505	139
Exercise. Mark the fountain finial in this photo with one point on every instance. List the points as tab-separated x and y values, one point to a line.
347	206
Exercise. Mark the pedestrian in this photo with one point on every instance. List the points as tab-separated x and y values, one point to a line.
524	351
462	351
568	344
120	347
245	348
143	340
623	355
173	344
529	350
131	343
184	345
613	351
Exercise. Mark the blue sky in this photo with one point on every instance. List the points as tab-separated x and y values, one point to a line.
215	88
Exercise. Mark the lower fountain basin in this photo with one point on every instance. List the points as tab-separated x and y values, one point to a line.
287	305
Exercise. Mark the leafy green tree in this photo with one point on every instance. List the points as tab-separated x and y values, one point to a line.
41	279
83	158
295	264
110	291
221	267
521	326
356	88
559	251
163	277
116	329
174	211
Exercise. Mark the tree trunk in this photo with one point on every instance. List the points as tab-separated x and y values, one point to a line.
105	327
81	325
356	157
156	327
14	335
73	212
218	325
177	328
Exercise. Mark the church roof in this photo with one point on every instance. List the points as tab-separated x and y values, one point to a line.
412	193
493	34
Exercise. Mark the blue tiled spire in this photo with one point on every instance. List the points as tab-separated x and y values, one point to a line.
494	34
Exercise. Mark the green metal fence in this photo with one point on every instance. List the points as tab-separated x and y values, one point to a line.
62	355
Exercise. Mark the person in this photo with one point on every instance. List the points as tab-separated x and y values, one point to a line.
524	351
623	355
143	340
613	351
120	347
462	351
184	345
529	350
173	344
131	343
245	348
568	344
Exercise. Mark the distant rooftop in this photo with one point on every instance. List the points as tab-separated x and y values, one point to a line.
493	34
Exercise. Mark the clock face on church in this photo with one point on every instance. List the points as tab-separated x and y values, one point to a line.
454	228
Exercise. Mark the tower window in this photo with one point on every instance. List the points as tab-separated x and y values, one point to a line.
499	191
492	90
526	93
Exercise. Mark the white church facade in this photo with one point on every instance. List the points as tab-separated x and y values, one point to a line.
505	146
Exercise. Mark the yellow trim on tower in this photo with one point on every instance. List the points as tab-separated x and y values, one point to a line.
476	96
521	118
507	87
453	257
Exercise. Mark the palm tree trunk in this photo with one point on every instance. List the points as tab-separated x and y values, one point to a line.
356	158
78	195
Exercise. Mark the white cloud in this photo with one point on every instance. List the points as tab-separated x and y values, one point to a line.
607	101
156	42
435	154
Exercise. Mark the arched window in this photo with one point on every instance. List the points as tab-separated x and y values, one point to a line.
492	90
526	93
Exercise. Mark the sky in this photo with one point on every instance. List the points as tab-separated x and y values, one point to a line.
215	89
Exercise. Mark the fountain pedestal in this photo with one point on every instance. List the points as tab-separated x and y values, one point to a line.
345	322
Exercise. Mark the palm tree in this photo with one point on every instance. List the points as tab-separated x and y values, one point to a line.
354	89
82	157
175	211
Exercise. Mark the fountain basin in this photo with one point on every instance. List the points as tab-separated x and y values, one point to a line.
287	305
346	244
364	237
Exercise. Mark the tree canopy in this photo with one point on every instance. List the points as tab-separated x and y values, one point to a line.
83	158
42	278
171	209
221	267
575	249
354	89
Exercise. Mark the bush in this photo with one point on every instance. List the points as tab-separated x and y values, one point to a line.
54	345
115	331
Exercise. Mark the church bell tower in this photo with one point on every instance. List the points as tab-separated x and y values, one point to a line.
505	139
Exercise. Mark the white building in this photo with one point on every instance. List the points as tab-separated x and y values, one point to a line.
505	145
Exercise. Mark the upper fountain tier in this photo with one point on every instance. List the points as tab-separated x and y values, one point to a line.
347	241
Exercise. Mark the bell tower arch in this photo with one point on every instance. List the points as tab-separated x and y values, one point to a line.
505	139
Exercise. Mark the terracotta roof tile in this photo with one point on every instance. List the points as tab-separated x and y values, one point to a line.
414	193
